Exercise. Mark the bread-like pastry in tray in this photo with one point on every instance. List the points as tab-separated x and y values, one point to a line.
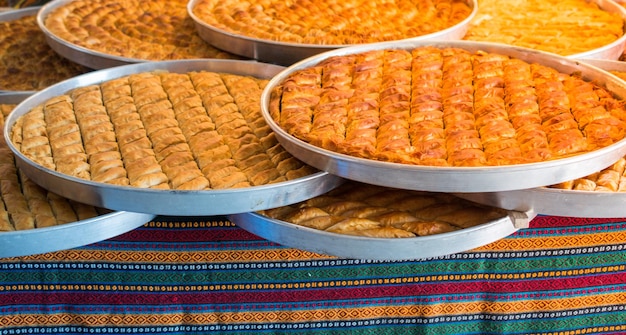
375	211
331	22
27	63
146	30
445	107
186	131
563	27
24	205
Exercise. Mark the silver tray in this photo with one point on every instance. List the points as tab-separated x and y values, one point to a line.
388	249
78	54
453	179
612	50
10	14
167	202
90	58
551	201
69	235
283	53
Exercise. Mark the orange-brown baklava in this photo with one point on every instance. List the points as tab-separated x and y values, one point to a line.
331	22
147	30
27	63
23	204
186	131
563	27
374	211
446	107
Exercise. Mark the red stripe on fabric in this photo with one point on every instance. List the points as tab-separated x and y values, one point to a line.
560	221
144	234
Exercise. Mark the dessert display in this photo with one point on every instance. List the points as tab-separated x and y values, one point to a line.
446	107
331	23
138	30
374	211
27	63
194	131
24	204
567	28
180	138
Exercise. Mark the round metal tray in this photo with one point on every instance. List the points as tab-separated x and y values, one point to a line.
69	235
551	201
90	58
167	202
357	247
612	50
453	179
283	53
10	14
78	54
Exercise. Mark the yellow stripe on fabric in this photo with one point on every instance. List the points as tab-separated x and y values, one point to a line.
176	256
335	314
539	242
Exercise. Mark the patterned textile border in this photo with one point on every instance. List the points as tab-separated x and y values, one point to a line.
180	275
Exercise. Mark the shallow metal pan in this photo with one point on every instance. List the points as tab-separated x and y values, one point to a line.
611	51
551	201
68	235
78	54
283	53
388	249
10	14
454	179
167	202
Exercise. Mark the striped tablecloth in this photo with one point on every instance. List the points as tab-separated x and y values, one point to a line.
200	275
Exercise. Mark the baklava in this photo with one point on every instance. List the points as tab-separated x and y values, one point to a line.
27	63
25	205
146	30
331	22
375	211
563	27
445	107
186	131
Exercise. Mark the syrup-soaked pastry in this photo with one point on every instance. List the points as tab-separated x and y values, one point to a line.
446	107
24	204
610	179
562	27
147	30
331	22
375	211
184	131
27	63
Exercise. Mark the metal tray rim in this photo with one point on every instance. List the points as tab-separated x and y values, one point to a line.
285	53
180	202
351	246
191	4
334	162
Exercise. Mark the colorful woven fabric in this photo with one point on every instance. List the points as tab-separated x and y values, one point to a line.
181	276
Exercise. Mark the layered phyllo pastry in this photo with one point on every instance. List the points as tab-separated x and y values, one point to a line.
146	30
331	22
185	131
445	107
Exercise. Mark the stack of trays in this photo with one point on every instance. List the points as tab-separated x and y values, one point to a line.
318	199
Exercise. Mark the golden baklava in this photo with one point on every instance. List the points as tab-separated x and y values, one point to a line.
563	27
27	62
186	131
445	107
146	30
25	205
374	211
331	22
